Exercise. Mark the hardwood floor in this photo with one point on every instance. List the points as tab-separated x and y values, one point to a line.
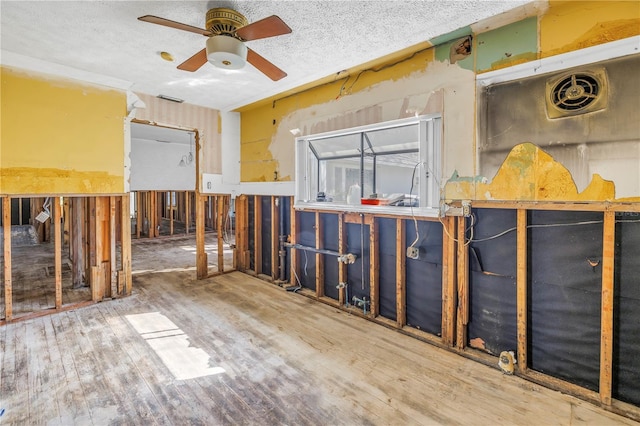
157	358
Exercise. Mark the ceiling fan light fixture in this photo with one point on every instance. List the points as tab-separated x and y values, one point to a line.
226	52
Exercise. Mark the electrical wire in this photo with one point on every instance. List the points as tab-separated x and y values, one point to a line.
506	231
413	216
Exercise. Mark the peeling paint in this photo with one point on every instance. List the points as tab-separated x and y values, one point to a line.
437	88
529	174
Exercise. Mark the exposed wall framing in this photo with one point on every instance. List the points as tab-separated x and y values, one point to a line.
90	240
318	237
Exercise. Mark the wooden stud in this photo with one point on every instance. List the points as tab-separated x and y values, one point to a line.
449	282
319	258
187	211
257	233
77	245
151	217
401	289
234	247
293	238
202	269
92	234
521	290
171	210
606	327
113	224
238	252
275	233
463	286
57	248
138	214
66	224
220	217
374	267
342	267
8	289
126	245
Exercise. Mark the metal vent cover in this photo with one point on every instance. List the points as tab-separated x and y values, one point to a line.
576	93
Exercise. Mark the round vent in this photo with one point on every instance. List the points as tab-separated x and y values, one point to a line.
575	92
223	21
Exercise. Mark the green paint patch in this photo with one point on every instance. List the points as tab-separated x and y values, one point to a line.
505	46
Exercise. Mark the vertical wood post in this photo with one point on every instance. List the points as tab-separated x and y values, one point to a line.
8	289
342	267
187	211
78	218
201	255
257	233
319	258
449	281
521	289
463	286
113	224
374	267
221	204
126	245
91	241
235	246
401	289
241	232
57	248
138	214
275	233
606	326
295	229
97	268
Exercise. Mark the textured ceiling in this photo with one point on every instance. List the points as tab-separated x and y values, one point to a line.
103	42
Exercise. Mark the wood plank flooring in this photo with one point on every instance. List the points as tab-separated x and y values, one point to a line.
286	360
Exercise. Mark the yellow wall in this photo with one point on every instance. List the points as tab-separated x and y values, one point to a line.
573	25
60	137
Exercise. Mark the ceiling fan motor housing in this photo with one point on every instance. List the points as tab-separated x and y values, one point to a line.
226	52
223	21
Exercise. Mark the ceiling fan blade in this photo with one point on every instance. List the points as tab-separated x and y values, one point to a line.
264	66
173	24
195	62
267	27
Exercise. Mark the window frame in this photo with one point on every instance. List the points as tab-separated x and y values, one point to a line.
427	170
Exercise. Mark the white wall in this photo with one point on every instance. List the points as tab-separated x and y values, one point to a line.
154	166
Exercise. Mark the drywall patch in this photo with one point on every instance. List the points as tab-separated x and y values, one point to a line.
529	173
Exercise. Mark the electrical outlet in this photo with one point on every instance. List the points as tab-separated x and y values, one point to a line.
413	252
466	208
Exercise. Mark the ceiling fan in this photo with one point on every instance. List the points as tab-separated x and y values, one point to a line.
227	30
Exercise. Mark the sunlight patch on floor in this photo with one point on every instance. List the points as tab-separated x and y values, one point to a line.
172	346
